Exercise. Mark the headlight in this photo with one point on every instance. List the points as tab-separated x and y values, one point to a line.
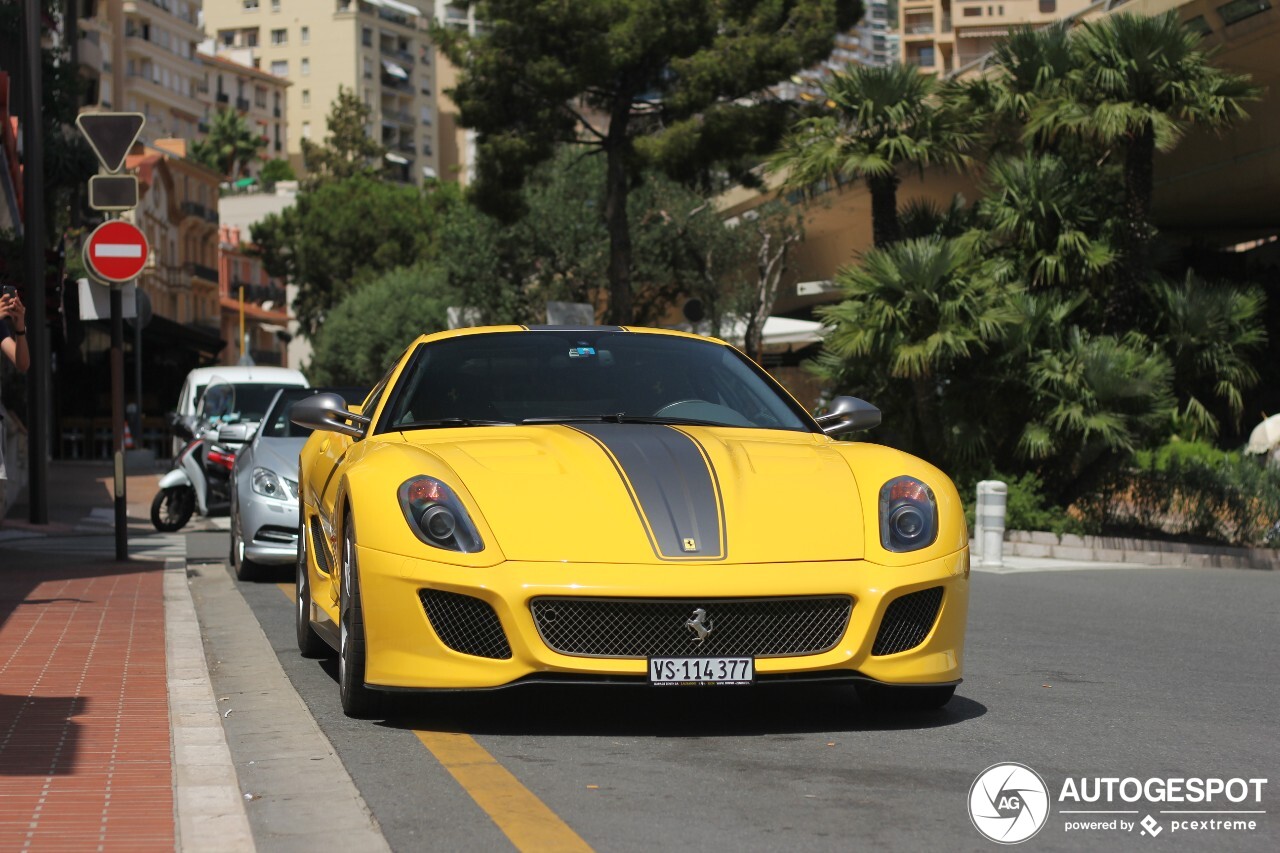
436	516
908	515
292	486
266	483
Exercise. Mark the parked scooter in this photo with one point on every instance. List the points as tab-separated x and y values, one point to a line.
200	478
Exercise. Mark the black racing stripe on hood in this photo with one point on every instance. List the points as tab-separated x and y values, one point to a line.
672	485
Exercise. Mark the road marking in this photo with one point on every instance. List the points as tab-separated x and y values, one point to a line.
517	811
524	818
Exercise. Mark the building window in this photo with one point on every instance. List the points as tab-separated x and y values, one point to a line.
366	37
368	68
306	97
306	66
306	130
250	37
260	96
227	37
279	37
275	5
250	5
1238	10
280	67
971	12
1048	7
306	35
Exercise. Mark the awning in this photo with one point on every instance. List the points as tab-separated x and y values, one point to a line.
982	34
778	331
394	70
396	158
245	182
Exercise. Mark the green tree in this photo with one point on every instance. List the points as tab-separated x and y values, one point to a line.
1136	85
666	80
276	170
344	232
348	150
229	147
879	120
371	327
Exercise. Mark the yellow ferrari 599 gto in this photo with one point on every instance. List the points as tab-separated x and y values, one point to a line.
521	504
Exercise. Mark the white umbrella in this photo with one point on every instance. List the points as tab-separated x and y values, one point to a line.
1265	436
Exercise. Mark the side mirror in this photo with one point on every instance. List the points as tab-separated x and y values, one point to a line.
328	412
182	426
849	414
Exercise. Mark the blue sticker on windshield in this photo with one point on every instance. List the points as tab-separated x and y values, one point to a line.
581	352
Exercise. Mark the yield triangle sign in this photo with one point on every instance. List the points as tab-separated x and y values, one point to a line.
111	135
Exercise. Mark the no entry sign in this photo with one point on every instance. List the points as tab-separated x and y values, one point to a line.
116	251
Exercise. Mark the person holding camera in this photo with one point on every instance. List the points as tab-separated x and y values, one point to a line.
13	343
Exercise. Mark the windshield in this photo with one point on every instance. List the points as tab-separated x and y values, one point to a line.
576	375
276	423
251	398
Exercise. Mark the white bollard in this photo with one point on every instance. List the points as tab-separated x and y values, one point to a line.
993	495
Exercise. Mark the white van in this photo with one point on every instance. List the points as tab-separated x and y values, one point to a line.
255	386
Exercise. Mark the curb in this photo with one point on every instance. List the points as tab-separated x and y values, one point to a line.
1143	552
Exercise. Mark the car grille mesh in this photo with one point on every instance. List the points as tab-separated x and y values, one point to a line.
907	621
636	628
465	624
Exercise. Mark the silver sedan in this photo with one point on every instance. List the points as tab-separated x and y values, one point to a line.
264	486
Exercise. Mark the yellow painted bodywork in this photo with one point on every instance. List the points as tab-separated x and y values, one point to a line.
800	518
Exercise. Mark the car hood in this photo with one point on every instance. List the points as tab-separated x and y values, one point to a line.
640	493
279	454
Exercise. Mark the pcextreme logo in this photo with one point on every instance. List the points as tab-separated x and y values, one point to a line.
1009	803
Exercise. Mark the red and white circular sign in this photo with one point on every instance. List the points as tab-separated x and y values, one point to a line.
116	251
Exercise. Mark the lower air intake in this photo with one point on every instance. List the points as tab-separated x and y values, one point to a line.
907	621
465	624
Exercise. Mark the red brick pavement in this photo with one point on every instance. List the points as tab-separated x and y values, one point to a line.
85	752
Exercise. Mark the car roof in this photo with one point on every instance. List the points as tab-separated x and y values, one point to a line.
248	375
484	330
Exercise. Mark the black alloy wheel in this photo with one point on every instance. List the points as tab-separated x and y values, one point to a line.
310	644
358	701
245	569
172	508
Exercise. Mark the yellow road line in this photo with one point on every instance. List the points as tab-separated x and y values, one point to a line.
522	817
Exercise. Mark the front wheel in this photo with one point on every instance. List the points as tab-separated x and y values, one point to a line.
245	569
357	700
309	643
892	698
172	508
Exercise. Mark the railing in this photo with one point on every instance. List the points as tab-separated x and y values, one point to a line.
259	293
201	271
402	55
242	104
275	112
195	208
222	97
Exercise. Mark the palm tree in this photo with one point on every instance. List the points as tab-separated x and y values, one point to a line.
914	314
1210	334
1136	85
878	119
229	146
1043	212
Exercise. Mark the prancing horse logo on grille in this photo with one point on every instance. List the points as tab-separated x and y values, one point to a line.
700	625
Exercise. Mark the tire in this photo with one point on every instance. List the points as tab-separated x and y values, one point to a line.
310	645
885	697
171	508
358	701
245	569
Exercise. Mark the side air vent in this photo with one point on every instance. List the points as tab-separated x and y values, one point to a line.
465	624
907	621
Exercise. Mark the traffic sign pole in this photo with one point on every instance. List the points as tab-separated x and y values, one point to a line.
117	420
33	249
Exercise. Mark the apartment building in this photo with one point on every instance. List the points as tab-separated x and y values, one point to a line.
378	48
943	36
140	56
230	82
872	42
262	313
456	154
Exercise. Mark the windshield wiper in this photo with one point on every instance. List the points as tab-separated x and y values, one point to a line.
438	423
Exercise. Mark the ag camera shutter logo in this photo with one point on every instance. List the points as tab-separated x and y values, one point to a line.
1008	803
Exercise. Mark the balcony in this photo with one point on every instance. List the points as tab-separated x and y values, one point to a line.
242	104
195	208
395	53
222	98
202	272
275	112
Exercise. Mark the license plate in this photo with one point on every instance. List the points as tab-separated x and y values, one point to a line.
668	671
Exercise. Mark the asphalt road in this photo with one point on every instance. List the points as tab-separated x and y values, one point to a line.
1083	673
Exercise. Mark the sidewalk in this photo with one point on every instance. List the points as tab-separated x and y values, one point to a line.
95	699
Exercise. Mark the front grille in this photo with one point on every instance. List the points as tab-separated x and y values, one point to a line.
465	624
320	547
907	621
639	628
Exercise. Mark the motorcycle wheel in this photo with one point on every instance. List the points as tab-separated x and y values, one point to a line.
172	508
